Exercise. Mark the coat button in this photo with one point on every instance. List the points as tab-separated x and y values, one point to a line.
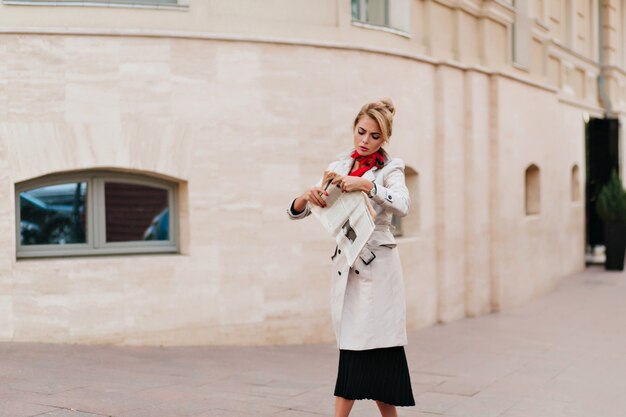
339	251
389	197
357	271
339	272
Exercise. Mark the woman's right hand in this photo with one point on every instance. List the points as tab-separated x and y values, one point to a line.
313	195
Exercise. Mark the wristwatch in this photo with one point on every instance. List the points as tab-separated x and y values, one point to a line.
372	192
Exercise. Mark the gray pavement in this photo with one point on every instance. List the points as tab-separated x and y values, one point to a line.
562	355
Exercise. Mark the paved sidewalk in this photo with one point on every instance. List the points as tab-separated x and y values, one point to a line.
563	355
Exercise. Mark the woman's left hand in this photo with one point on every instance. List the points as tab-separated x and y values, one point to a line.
348	183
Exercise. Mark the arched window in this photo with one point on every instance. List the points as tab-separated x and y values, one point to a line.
575	183
409	225
532	190
95	212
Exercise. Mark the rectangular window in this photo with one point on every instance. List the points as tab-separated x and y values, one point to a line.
103	3
392	14
521	35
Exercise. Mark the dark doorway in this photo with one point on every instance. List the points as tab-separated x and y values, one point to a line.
602	157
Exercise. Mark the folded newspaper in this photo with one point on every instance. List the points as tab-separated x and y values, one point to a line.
349	218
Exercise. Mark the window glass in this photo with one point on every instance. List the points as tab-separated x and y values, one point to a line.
356	9
135	212
386	13
377	12
53	215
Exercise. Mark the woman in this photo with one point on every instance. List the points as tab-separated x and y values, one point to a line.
367	300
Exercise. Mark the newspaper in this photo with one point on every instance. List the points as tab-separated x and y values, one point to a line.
349	218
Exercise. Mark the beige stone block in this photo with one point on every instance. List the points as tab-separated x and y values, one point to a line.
4	77
497	53
449	154
537	58
476	219
554	71
96	316
6	316
145	78
6	284
38	280
93	79
36	84
468	39
41	317
442	39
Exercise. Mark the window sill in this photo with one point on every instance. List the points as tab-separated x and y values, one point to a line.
83	254
542	24
519	66
382	29
103	3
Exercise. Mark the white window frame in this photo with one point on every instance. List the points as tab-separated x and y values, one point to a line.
362	22
133	4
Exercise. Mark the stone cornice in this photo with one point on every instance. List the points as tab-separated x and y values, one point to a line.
613	68
558	50
590	107
498	10
270	40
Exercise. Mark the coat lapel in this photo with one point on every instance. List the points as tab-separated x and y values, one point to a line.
371	174
346	163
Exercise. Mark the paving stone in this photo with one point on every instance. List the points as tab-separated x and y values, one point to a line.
21	409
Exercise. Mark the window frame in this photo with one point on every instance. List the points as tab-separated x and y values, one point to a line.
362	22
95	217
133	4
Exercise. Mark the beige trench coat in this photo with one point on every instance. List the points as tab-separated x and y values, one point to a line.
367	301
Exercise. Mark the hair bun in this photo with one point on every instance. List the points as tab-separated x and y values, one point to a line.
386	102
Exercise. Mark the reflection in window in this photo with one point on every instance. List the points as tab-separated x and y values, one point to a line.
53	215
135	212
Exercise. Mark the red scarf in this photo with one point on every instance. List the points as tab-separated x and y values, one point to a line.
366	162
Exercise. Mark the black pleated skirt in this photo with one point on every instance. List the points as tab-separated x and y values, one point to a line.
375	374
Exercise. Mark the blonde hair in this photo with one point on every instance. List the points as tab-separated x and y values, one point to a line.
382	111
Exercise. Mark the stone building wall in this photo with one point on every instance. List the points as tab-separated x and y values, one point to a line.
244	105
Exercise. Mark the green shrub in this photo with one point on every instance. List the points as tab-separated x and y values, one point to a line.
611	204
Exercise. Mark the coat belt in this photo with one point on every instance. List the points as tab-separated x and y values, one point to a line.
382	228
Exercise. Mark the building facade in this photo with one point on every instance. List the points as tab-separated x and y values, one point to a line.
149	149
